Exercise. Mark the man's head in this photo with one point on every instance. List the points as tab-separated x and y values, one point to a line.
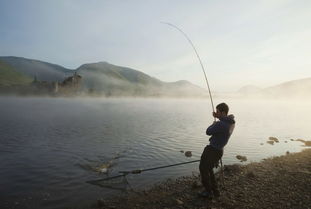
221	110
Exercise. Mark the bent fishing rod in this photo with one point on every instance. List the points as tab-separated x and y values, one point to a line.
209	90
125	173
198	56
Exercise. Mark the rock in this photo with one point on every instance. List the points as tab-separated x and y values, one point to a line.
232	169
273	139
241	158
270	142
179	202
196	184
100	203
307	143
261	143
188	154
250	174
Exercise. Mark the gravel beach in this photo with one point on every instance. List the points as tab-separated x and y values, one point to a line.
278	182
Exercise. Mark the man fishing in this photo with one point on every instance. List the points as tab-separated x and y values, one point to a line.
220	133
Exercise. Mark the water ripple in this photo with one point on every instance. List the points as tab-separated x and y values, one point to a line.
42	150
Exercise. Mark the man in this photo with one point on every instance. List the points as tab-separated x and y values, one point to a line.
220	133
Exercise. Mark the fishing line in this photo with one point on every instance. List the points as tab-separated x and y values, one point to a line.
198	56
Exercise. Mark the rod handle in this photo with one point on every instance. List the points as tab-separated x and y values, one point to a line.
136	171
132	172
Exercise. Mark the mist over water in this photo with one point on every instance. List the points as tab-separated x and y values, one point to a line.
48	146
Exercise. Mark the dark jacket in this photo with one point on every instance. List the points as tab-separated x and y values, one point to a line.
221	131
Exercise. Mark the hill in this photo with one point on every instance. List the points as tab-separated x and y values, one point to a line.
300	88
102	79
9	76
249	89
292	89
42	70
122	81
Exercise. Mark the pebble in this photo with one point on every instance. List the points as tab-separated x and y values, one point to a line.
241	158
100	203
179	202
250	174
274	139
270	142
188	154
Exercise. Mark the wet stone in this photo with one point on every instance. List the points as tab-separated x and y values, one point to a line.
307	143
270	142
188	154
250	174
274	139
179	202
241	158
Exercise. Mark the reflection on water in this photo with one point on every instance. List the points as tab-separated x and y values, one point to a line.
50	147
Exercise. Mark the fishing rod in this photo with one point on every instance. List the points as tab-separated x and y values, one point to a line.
137	171
208	87
155	168
198	56
125	173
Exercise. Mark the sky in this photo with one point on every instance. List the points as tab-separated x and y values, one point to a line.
240	42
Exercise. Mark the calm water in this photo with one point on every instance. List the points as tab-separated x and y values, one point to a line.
48	146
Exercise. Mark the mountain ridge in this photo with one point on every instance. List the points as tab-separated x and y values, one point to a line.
298	88
36	68
103	78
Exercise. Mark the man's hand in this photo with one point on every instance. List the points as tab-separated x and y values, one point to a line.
214	115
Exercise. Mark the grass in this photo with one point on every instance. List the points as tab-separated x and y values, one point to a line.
9	76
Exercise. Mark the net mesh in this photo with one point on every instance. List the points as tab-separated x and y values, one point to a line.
116	182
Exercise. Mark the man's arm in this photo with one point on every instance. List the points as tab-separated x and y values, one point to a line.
214	128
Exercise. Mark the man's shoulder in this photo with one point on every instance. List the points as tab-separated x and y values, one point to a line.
223	124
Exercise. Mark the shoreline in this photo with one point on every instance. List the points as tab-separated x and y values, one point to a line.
277	182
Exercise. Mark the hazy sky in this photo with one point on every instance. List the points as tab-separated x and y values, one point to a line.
240	42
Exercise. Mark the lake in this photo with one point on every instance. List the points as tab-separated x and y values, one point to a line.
49	147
